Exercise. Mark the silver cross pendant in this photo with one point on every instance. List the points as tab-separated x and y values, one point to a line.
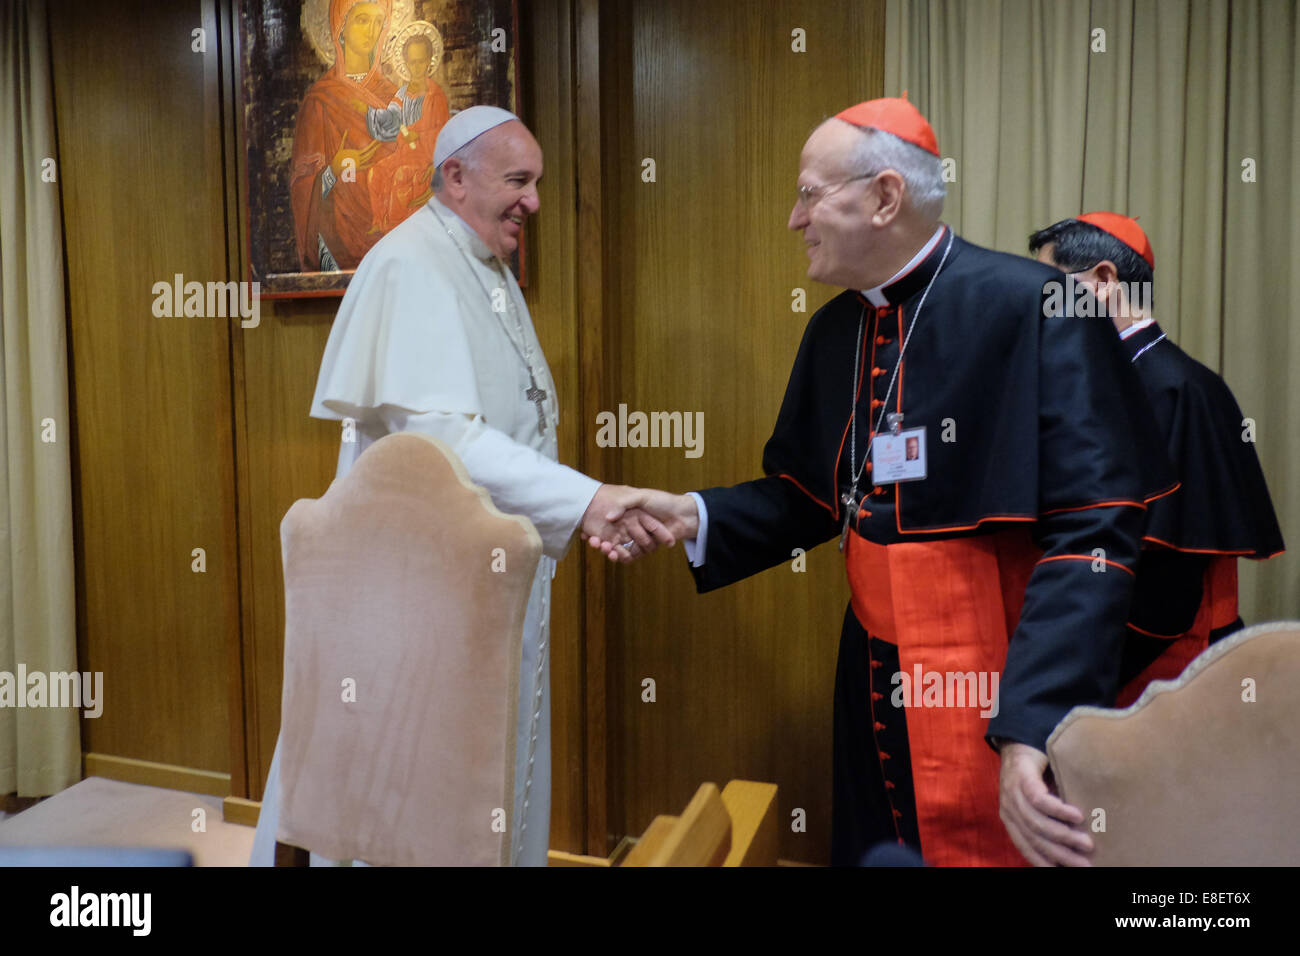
850	512
537	396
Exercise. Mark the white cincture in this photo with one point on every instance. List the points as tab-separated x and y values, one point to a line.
537	710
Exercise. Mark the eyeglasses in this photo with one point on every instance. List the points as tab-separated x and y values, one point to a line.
810	194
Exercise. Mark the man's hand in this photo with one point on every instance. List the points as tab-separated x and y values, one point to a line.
676	514
1041	825
614	524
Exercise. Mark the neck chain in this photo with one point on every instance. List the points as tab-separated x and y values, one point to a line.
533	393
850	499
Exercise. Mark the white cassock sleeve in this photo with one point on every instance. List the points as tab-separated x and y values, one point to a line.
521	481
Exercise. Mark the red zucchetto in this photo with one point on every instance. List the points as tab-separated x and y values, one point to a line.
1124	229
893	115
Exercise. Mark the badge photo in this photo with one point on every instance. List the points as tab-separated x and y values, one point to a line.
898	456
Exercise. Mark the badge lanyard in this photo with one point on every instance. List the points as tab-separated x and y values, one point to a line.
895	419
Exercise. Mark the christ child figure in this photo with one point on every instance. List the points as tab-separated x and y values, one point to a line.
401	182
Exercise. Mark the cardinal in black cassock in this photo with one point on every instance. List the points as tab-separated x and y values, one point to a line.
1185	596
986	466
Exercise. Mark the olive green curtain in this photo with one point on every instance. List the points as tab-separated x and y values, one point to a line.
40	748
1182	113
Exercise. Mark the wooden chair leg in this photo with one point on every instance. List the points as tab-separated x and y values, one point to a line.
288	855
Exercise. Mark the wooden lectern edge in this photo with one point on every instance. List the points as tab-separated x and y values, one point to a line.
241	810
754	834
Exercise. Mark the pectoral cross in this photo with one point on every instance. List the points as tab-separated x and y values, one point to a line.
537	396
850	512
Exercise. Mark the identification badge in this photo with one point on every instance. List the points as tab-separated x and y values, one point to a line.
898	456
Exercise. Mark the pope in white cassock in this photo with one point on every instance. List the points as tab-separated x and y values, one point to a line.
433	336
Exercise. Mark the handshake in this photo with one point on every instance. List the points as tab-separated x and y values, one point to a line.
627	523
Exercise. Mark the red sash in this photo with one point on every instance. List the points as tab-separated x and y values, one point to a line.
950	606
1218	609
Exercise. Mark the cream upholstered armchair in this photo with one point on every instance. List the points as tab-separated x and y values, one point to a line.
1200	771
403	624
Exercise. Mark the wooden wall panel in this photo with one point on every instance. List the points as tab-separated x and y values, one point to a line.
594	352
700	269
546	60
137	112
284	455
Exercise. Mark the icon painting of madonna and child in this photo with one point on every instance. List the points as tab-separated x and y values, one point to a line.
343	102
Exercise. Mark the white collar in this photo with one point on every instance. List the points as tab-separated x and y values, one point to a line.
476	244
1135	328
876	297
